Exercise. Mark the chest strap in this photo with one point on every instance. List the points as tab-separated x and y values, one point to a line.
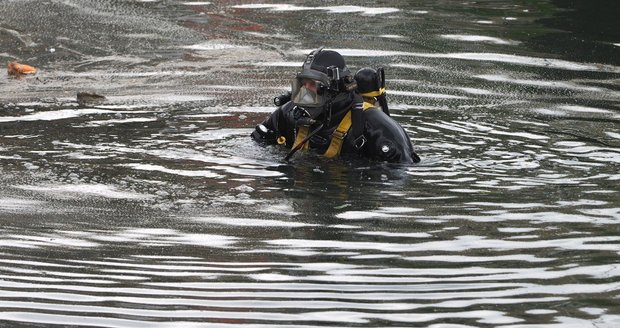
338	137
354	118
302	133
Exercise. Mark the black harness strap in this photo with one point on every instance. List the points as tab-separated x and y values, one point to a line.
358	123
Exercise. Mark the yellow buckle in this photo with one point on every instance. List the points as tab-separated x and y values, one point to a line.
339	135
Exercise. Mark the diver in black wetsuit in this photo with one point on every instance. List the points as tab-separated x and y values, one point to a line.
334	113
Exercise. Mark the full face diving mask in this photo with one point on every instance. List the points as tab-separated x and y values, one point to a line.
313	89
308	93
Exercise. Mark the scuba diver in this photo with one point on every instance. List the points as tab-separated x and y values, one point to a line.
335	113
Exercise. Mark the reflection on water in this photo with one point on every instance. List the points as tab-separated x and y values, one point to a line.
154	209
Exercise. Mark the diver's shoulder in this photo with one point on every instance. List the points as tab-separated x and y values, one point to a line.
374	112
376	117
288	106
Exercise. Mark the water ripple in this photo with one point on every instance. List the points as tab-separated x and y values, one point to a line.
153	209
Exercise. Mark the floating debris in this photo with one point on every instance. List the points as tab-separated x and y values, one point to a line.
87	98
16	69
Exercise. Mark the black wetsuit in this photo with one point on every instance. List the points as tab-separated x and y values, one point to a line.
385	140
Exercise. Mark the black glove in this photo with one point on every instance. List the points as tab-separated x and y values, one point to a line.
263	134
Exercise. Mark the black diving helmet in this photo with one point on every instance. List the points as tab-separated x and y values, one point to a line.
323	76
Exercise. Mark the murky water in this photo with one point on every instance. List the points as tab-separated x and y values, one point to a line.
154	209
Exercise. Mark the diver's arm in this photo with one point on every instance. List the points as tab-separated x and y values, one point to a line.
387	140
396	150
266	132
279	125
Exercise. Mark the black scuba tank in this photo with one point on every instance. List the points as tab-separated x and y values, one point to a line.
371	83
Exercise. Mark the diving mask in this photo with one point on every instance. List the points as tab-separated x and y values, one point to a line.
308	93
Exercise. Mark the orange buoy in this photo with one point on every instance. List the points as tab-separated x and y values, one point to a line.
17	69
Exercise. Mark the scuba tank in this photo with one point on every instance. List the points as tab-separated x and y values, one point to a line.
371	84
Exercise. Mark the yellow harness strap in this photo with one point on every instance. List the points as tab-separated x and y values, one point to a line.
375	93
302	133
335	146
368	105
338	137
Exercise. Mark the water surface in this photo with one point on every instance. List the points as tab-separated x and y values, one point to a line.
155	209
